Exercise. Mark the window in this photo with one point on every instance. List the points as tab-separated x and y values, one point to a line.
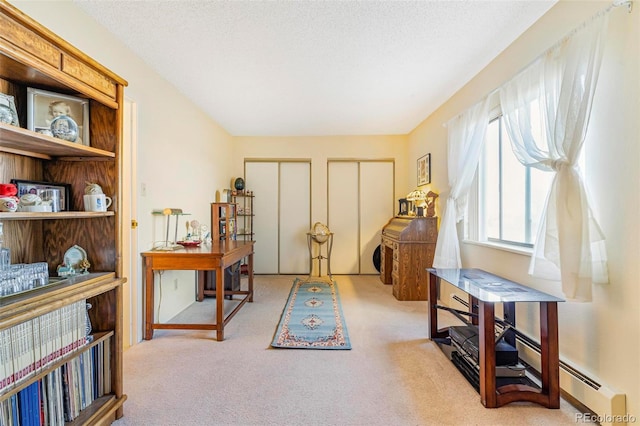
510	196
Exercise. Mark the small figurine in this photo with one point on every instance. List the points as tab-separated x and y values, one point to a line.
65	271
84	266
431	203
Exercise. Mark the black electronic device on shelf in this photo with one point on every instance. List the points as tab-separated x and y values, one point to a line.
465	337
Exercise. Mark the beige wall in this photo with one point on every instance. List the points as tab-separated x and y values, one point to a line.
321	148
601	338
183	155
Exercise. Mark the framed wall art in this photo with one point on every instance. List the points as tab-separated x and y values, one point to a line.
61	116
424	170
32	186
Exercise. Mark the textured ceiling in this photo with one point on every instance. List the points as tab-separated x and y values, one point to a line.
294	68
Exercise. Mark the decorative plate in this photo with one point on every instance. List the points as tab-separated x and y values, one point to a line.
74	256
189	243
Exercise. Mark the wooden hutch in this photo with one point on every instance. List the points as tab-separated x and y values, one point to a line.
407	250
31	56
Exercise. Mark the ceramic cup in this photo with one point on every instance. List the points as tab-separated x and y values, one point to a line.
96	202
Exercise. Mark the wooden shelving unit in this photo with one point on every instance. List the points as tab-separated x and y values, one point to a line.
33	56
245	214
224	221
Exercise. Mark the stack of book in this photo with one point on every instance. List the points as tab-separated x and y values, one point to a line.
63	393
31	346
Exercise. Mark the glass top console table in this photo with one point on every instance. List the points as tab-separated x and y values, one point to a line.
485	290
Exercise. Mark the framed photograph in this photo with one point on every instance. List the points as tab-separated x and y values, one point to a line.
61	116
8	113
424	170
403	207
32	187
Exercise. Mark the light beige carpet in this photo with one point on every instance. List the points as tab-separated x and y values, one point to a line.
393	375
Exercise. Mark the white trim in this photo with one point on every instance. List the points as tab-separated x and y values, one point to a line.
524	251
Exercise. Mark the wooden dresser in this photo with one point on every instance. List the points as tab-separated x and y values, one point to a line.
407	250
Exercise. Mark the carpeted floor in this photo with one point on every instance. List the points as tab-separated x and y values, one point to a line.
393	375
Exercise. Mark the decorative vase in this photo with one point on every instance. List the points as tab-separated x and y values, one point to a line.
239	184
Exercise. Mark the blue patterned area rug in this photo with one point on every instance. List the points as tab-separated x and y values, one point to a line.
312	318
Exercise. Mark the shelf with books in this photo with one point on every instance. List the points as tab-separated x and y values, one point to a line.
223	221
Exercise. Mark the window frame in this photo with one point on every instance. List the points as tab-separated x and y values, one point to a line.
475	226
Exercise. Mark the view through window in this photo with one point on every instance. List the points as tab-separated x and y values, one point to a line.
511	196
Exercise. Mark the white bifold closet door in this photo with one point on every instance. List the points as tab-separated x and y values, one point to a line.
360	202
282	215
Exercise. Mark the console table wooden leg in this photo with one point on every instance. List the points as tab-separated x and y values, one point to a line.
433	302
250	278
149	296
549	351
473	308
220	304
487	357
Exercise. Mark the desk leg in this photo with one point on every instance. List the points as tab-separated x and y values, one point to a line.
201	279
149	299
549	352
219	304
250	265
487	355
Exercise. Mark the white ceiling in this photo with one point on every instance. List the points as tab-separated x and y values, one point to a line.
295	68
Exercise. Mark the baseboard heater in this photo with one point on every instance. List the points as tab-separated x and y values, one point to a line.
607	405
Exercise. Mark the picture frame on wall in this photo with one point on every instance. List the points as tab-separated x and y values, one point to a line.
8	113
424	170
61	116
32	186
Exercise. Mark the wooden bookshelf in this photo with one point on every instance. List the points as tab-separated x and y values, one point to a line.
31	56
224	221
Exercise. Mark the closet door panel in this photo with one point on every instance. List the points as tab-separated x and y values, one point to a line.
262	179
295	217
376	207
343	216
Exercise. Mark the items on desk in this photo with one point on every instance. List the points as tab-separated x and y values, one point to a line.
195	232
166	244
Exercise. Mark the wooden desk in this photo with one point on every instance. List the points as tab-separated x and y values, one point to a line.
484	290
407	249
215	257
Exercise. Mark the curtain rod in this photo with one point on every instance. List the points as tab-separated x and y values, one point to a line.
628	3
616	3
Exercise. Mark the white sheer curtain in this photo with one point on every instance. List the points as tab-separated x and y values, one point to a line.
466	137
560	84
